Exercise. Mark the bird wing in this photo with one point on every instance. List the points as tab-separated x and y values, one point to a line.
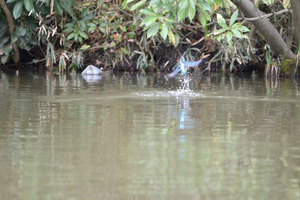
182	65
177	69
193	63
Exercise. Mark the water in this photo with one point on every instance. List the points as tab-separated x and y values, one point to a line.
146	137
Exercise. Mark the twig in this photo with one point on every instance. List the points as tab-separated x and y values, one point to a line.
195	43
209	63
268	15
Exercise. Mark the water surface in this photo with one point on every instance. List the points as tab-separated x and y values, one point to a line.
131	136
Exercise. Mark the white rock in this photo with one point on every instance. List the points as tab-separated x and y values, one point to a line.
91	70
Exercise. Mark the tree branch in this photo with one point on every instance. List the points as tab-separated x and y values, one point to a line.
269	32
268	15
295	6
11	27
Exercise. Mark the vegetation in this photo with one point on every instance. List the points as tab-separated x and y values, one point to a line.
130	34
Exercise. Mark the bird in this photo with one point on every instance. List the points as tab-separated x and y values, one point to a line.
183	66
91	70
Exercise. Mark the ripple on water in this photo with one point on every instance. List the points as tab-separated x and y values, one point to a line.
177	93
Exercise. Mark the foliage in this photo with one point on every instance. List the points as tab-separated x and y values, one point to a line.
272	68
232	41
228	32
161	16
168	17
77	28
131	32
27	15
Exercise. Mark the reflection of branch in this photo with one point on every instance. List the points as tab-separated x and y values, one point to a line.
11	27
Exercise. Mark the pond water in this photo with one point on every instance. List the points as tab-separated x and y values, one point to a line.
133	136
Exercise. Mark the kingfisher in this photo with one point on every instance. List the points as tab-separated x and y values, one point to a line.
183	66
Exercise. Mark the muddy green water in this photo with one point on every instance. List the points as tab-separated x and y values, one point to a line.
139	137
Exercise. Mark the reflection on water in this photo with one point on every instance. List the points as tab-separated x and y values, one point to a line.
92	79
144	137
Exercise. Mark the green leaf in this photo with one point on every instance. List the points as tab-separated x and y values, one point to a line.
70	25
4	59
177	39
58	7
67	6
21	30
171	36
131	35
236	25
192	4
81	25
152	2
229	36
147	27
164	31
221	21
85	46
14	37
70	36
29	5
3	30
124	29
153	30
149	20
233	17
91	24
3	40
222	30
204	14
83	34
191	13
219	2
236	33
268	2
269	57
183	4
243	29
128	1
18	9
91	27
80	40
75	37
182	13
169	20
147	11
137	5
7	49
205	5
102	29
203	21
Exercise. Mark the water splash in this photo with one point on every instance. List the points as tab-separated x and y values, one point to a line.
182	91
184	88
